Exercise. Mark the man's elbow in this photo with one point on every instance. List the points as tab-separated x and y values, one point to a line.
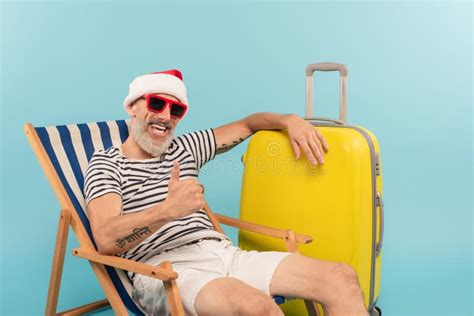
108	250
103	250
103	246
248	124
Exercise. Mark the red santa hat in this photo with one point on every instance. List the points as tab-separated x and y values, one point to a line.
169	82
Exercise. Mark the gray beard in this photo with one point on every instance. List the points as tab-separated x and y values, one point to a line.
146	142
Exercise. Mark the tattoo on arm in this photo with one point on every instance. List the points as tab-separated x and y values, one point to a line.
226	147
137	234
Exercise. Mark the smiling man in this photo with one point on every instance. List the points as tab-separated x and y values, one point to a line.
144	203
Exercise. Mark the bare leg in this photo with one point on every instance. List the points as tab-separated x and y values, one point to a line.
332	284
229	296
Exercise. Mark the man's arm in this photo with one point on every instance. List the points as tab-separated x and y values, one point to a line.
115	233
302	134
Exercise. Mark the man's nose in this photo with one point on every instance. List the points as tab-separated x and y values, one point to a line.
165	115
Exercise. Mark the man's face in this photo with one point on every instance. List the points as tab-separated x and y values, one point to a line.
152	131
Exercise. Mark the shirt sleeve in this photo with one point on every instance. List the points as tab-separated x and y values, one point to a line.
200	144
102	177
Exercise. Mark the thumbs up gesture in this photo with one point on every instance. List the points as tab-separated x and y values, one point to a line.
174	173
184	196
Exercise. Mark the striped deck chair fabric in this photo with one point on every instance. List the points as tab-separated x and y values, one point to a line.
70	147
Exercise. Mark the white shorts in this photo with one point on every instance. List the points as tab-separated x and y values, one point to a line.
200	263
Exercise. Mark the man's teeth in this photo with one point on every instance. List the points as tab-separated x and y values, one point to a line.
159	127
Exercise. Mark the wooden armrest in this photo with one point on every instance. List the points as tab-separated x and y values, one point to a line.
125	264
264	230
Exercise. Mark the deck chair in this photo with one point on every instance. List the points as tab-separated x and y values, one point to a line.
63	152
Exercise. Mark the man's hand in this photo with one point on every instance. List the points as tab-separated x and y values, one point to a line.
303	134
184	196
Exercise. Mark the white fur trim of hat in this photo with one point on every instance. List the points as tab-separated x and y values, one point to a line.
168	82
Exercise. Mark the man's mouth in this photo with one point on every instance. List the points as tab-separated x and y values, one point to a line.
159	129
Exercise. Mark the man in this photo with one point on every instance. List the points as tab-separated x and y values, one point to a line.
144	203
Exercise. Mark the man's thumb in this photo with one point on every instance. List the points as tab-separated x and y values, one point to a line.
175	172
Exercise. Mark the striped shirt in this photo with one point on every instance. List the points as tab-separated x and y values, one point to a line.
144	183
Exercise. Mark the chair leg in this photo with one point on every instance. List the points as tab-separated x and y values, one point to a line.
172	293
110	291
313	308
85	308
58	262
57	270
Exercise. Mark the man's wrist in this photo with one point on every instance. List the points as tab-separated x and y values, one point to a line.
287	119
164	211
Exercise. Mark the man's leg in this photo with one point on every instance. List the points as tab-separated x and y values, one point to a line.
229	296
334	285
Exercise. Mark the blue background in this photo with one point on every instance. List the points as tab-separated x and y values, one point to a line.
410	81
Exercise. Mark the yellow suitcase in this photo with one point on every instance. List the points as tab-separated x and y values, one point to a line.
338	203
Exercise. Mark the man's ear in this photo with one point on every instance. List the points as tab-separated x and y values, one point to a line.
132	109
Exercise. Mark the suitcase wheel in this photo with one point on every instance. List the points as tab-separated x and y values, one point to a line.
376	311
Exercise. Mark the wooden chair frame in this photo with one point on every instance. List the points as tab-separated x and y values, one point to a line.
70	218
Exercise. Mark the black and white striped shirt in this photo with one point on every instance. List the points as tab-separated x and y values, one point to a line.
144	183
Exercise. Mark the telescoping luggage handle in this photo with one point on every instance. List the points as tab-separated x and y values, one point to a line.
310	69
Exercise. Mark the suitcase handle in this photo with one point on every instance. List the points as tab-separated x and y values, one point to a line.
310	69
323	119
378	248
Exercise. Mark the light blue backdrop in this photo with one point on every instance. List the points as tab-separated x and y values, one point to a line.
410	70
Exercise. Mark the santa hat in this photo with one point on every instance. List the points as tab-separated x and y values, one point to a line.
169	82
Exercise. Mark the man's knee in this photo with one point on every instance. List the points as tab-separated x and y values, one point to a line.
260	304
346	280
346	274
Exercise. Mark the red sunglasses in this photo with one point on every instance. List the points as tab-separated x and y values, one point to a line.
158	104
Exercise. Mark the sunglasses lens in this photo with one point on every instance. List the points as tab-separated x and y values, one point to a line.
177	110
157	104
